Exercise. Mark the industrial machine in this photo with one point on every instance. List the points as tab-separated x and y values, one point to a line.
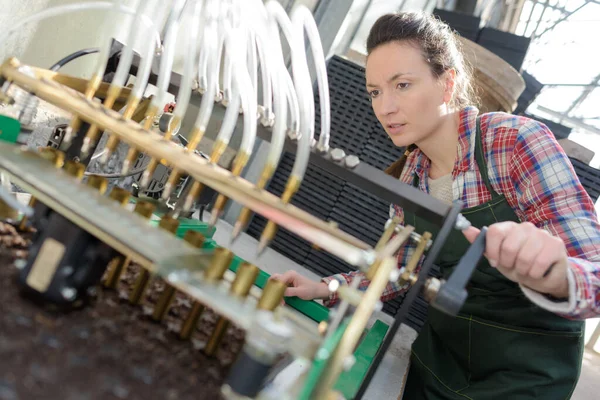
235	68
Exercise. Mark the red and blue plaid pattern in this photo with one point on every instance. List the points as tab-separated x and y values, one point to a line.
527	165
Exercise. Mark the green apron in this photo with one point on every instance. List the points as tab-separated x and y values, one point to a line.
501	345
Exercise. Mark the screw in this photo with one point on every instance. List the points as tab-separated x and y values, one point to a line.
68	293
337	155
20	263
352	161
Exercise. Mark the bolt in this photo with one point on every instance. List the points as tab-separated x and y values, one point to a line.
195	84
20	263
322	147
323	354
68	293
267	117
394	275
378	306
293	135
334	286
337	155
349	362
352	161
68	270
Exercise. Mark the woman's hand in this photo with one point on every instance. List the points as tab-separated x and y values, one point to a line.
301	286
527	255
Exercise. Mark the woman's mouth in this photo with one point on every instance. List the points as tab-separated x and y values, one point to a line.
395	129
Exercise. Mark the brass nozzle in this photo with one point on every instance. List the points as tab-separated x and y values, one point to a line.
139	287
74	168
244	279
144	208
238	166
270	230
115	268
219	263
216	337
113	140
120	195
163	303
119	264
189	325
272	295
194	238
133	152
195	139
98	182
217	152
265	175
56	156
169	224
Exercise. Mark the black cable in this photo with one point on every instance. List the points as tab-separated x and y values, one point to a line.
80	53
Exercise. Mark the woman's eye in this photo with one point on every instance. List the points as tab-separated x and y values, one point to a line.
373	93
403	85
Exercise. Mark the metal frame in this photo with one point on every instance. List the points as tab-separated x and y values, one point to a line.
411	296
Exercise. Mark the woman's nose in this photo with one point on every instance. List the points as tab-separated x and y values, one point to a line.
388	104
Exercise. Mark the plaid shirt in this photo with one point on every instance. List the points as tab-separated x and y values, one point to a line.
527	165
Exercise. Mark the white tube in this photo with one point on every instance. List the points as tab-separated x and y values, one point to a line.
106	38
263	43
147	53
224	26
71	8
168	56
274	71
209	45
243	81
231	116
252	62
185	90
304	21
133	35
302	85
292	98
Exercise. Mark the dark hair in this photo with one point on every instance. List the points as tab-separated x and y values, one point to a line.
440	48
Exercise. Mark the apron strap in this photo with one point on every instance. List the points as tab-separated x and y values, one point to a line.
480	158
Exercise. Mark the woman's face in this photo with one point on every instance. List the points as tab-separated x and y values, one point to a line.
408	100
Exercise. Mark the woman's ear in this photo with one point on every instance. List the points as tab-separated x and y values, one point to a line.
449	80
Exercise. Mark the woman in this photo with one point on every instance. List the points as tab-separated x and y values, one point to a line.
519	334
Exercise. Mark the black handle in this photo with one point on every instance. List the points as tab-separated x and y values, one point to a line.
453	294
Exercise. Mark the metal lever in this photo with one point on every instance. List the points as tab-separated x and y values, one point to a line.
453	294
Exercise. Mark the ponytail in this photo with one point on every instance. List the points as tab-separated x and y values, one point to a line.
395	169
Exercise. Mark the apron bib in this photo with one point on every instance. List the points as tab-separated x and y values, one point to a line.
501	345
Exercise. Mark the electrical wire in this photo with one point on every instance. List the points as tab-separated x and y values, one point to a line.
118	175
71	57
